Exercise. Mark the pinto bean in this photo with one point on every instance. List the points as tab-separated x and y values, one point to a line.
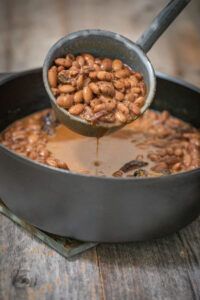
119	96
66	88
117	65
76	109
106	64
123	108
103	75
65	101
94	87
120	117
134	109
78	97
122	73
99	107
87	94
52	76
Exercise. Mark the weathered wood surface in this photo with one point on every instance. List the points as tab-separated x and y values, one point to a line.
164	269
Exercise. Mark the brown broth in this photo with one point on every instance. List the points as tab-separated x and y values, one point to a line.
159	142
102	157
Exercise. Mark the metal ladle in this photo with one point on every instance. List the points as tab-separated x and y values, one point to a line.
102	43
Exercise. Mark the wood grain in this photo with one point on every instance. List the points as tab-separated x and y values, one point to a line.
164	269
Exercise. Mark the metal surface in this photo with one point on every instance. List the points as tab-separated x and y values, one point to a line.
101	44
92	208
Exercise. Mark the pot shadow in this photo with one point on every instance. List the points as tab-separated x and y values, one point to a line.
178	249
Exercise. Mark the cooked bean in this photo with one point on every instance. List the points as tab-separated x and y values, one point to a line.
106	88
78	97
106	64
110	103
134	109
76	109
109	118
117	64
80	60
93	75
119	96
66	88
119	84
103	75
65	62
160	167
94	87
99	107
95	102
120	117
87	94
121	107
122	73
139	101
138	76
88	57
52	77
80	81
130	97
65	101
136	90
60	68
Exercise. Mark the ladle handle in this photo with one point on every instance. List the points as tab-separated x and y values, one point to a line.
161	23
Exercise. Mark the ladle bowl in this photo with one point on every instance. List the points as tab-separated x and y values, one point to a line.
105	44
99	43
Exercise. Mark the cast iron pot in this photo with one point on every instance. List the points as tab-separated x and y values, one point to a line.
93	208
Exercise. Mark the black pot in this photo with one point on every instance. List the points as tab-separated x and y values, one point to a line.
93	208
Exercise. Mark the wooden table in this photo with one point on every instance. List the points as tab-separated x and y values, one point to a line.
168	268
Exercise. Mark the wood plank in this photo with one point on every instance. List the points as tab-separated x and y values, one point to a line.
31	270
167	268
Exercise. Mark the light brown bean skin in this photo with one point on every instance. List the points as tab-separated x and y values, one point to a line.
117	65
99	107
78	97
67	63
65	101
121	107
94	87
119	96
139	101
52	76
80	60
104	76
106	88
122	73
120	117
80	82
87	94
106	64
66	88
76	109
134	109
